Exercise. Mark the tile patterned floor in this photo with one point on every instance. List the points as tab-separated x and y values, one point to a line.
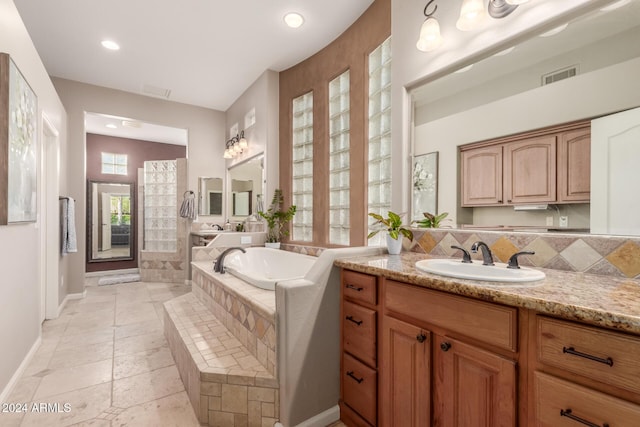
106	356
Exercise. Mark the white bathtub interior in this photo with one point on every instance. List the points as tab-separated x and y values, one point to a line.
264	267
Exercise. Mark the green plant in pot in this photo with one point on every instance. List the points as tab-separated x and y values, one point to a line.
277	218
430	220
392	224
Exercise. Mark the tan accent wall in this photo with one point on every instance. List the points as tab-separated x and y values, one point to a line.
350	51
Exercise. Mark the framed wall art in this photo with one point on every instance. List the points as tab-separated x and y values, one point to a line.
424	183
18	145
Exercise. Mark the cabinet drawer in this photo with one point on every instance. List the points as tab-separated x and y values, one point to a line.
359	287
490	323
360	332
359	387
596	353
563	404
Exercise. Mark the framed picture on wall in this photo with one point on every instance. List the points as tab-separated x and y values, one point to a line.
18	145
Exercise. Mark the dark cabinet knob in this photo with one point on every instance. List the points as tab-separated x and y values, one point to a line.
445	346
421	337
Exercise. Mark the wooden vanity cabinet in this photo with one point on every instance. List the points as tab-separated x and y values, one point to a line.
359	315
547	166
430	375
584	374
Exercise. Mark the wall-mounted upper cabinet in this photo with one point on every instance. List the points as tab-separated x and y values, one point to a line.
549	166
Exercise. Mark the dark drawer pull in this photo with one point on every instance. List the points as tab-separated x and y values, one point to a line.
571	350
568	413
350	374
357	322
355	288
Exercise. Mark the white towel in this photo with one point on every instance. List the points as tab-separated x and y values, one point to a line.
188	209
68	219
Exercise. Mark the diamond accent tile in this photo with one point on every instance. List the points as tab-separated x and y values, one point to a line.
627	259
605	268
580	255
543	252
503	249
427	242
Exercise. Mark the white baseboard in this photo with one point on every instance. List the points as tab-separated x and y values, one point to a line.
112	272
16	376
70	297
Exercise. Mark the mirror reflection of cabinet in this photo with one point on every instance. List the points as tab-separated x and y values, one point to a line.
110	222
246	186
209	196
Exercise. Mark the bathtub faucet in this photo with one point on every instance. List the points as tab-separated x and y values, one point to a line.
218	267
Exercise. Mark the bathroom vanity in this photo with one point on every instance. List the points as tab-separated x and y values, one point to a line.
420	349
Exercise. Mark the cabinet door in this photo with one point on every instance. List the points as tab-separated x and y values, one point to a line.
405	388
530	170
574	166
472	387
481	176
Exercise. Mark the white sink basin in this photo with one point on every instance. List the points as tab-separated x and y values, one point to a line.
477	271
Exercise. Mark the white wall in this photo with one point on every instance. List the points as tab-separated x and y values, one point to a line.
412	67
263	136
19	251
588	95
205	127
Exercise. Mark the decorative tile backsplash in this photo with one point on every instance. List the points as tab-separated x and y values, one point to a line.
616	256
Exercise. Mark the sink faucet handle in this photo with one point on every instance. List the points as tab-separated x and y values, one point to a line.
466	257
513	261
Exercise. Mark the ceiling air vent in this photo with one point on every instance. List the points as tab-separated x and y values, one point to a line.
158	92
556	76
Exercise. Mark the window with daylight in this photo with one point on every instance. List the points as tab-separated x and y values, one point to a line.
120	210
379	163
114	164
302	224
339	160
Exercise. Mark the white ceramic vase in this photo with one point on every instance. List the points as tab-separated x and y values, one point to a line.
394	246
273	245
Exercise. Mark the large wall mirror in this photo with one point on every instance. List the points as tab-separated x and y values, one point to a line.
532	86
209	196
246	184
110	222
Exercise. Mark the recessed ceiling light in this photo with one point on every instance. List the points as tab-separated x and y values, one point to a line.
615	5
111	126
293	19
555	31
110	44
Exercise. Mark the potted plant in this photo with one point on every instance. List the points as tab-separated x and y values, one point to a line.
430	220
393	225
276	219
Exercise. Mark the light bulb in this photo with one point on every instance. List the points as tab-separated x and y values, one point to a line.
471	15
430	38
243	143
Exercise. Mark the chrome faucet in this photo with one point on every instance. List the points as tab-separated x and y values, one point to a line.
218	267
487	256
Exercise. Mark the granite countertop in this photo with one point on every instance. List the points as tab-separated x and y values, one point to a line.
598	300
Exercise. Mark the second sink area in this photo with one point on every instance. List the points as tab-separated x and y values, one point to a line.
476	271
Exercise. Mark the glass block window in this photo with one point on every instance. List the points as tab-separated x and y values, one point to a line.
303	167
160	206
114	164
339	160
379	167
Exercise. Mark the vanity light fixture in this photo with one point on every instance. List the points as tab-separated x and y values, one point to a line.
110	44
471	15
430	38
235	146
293	19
